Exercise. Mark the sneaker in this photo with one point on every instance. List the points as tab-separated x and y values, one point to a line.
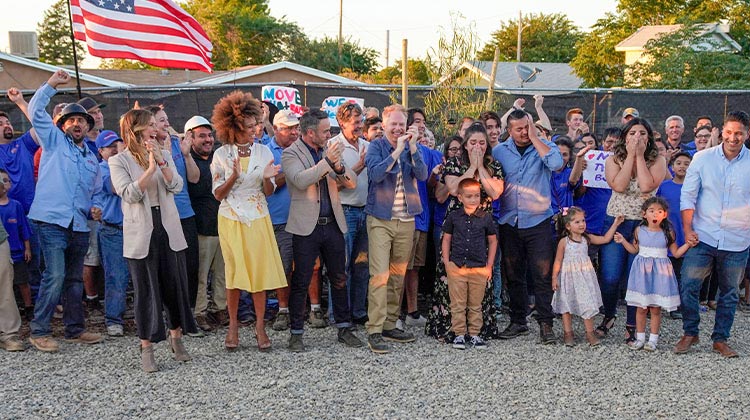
513	330
46	344
86	338
93	307
219	318
114	330
636	345
546	334
317	319
282	322
675	315
377	345
415	322
12	343
399	336
347	337
459	342
400	325
477	342
649	346
202	322
296	345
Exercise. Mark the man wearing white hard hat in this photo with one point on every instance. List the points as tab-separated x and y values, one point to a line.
199	132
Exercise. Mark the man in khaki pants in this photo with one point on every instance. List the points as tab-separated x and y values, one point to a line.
10	319
394	164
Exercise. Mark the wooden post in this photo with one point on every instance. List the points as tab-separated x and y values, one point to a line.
404	75
491	90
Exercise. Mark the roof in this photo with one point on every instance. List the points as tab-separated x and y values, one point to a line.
249	71
149	77
52	68
638	40
552	75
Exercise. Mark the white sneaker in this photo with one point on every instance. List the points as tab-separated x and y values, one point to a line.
416	322
637	344
114	330
459	343
649	346
400	325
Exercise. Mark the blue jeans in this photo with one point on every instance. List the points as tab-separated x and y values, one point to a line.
35	276
696	267
116	274
357	265
63	251
615	266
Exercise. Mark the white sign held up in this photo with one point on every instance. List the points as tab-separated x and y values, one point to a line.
593	175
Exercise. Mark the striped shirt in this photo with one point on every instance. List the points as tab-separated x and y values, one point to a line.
399	202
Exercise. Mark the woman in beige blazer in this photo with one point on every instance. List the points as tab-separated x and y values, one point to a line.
145	177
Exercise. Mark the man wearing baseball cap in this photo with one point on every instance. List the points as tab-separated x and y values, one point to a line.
68	179
108	211
95	110
629	114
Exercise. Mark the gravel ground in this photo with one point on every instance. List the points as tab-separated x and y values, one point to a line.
517	378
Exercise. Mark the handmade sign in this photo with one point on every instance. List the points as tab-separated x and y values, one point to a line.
593	175
283	97
331	105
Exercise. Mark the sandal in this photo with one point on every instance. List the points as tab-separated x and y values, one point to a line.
630	332
264	343
232	341
603	329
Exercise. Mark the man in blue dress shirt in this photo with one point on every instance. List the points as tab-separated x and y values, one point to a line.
68	178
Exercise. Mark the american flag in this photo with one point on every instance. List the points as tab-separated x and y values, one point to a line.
157	32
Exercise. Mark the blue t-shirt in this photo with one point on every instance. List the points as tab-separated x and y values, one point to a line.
280	201
17	225
670	191
561	190
594	202
17	158
182	198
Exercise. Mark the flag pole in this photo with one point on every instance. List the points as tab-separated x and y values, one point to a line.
75	54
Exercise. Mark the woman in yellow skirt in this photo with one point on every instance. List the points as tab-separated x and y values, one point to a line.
243	174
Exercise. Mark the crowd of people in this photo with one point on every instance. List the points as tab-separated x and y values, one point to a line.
253	200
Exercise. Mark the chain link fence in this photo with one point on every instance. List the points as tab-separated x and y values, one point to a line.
602	107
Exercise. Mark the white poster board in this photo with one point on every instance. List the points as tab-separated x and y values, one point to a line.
331	105
593	175
283	97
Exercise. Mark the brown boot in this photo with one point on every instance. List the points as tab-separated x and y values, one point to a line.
723	348
148	363
592	339
178	348
569	338
684	344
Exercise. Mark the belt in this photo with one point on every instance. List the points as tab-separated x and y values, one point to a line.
157	208
354	207
325	220
112	225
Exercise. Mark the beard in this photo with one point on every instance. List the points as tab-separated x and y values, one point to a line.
8	134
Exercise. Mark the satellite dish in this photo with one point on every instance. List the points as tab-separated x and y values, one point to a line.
526	74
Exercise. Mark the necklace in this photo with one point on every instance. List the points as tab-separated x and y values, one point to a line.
244	149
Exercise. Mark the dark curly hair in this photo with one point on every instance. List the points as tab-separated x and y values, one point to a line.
563	218
665	224
229	116
476	127
620	150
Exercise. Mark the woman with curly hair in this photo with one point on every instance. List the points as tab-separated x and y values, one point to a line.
634	172
144	176
243	175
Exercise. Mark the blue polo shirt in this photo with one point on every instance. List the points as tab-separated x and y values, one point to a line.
17	158
182	198
17	226
561	190
431	158
68	175
280	201
107	199
526	200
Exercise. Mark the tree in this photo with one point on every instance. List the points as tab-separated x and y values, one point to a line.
545	37
596	60
419	73
53	35
323	55
123	64
243	32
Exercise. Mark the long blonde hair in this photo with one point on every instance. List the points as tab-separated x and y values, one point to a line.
132	125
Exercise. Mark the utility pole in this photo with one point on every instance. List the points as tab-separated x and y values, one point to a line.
404	75
518	44
341	26
387	45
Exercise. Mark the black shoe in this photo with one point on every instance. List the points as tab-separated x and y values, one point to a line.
360	321
377	345
94	307
347	337
513	330
675	315
546	334
295	343
398	336
630	331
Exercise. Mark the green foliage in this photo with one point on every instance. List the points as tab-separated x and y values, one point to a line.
123	64
545	37
452	97
53	34
243	32
599	65
419	73
323	55
674	64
